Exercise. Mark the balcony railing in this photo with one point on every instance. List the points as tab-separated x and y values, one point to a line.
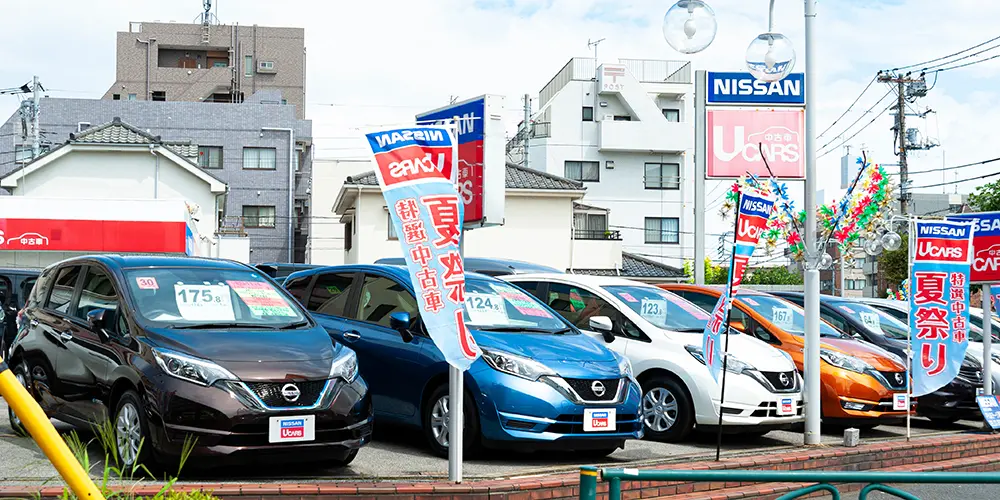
596	234
232	225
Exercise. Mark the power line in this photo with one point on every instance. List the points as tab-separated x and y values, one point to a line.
849	127
887	108
849	108
970	63
953	61
986	176
947	56
956	167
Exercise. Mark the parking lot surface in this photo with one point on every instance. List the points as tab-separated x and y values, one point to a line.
400	453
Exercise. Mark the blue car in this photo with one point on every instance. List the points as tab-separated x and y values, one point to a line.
540	383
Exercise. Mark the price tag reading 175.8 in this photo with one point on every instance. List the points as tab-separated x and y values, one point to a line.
204	302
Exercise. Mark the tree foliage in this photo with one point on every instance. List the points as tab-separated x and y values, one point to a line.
894	265
715	274
986	198
777	275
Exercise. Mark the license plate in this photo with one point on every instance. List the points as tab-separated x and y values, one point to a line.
292	429
598	419
785	407
899	402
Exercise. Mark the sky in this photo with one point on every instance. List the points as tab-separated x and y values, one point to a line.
381	61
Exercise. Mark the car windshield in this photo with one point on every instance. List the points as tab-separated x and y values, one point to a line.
874	320
193	297
783	314
661	308
494	306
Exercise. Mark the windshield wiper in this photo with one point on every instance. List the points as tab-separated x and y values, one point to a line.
688	330
522	329
207	326
292	326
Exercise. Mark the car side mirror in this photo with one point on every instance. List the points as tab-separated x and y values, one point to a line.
97	319
400	321
604	326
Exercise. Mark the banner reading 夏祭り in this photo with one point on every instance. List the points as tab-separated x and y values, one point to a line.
939	303
427	214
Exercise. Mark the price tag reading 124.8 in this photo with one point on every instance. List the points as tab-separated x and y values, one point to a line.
204	302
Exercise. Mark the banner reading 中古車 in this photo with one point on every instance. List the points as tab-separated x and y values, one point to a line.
427	214
751	219
939	303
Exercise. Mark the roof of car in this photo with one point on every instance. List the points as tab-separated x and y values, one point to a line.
399	272
135	261
583	279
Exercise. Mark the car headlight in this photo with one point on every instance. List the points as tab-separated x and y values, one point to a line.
345	366
844	361
733	364
625	367
190	368
996	357
517	366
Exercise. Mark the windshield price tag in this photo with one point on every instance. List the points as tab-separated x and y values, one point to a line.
204	302
654	311
750	301
262	298
782	316
871	321
485	309
524	304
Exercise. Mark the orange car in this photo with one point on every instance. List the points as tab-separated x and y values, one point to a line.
859	380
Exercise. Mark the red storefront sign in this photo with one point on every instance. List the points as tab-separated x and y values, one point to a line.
92	236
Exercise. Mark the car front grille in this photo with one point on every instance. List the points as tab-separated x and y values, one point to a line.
790	383
271	393
971	373
894	383
589	389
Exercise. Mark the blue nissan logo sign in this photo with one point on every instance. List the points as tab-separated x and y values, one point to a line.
743	88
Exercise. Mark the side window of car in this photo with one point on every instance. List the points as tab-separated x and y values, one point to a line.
330	294
736	315
381	297
706	302
529	286
299	287
896	313
99	293
834	320
578	305
27	288
62	289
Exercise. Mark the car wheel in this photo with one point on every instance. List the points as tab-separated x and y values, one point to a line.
21	374
435	421
667	412
131	431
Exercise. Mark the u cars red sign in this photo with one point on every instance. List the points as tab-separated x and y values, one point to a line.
985	246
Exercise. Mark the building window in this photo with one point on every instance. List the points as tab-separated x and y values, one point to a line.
247	65
159	95
284	101
131	97
588	113
392	228
258	216
586	171
210	156
22	153
348	235
116	97
259	158
663	176
592	227
663	230
623	118
672	115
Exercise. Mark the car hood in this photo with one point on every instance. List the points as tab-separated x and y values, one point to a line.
879	358
253	355
570	355
748	349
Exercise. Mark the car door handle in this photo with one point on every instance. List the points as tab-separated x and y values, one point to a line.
352	335
66	336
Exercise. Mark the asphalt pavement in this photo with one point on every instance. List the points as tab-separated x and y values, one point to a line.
401	453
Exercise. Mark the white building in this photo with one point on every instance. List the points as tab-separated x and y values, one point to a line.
626	131
326	232
113	189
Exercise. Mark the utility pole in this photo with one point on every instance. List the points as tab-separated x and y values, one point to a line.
36	140
901	133
527	127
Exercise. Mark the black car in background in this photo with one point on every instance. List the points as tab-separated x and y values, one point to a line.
166	349
953	402
15	285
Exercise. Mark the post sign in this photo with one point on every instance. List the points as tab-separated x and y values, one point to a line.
985	246
743	88
990	407
734	135
611	78
481	166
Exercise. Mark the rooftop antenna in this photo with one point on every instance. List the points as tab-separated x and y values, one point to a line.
207	17
594	45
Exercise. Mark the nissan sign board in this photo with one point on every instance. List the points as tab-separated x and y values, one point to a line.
985	246
736	138
743	88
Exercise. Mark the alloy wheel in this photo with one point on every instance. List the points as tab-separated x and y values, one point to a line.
659	409
128	434
15	420
439	421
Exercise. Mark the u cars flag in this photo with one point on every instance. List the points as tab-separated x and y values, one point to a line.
415	171
939	302
751	219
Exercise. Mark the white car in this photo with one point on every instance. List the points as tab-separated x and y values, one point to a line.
900	309
661	334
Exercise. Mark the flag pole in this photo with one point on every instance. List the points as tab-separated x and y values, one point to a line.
456	390
729	310
910	245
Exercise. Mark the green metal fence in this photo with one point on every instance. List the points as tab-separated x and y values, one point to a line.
874	481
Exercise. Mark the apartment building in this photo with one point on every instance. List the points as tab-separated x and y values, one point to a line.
625	130
209	63
260	149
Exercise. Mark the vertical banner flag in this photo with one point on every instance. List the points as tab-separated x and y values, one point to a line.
414	171
994	296
939	302
754	210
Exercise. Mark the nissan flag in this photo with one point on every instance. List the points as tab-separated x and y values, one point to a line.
755	209
413	171
939	304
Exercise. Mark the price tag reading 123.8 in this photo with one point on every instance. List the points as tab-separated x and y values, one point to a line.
654	311
204	302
